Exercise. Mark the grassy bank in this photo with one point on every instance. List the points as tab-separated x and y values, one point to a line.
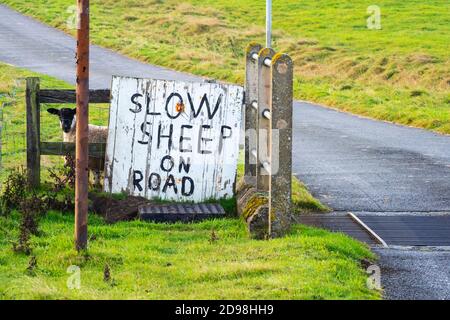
399	73
180	261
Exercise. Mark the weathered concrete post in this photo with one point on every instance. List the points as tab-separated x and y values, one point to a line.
281	153
264	93
251	112
33	133
267	208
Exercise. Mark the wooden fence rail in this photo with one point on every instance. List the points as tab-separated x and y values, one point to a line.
35	147
69	96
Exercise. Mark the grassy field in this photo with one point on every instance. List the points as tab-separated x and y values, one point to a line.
399	73
180	261
13	117
13	121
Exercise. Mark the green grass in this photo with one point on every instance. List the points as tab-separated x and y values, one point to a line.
161	261
13	118
178	261
302	200
399	73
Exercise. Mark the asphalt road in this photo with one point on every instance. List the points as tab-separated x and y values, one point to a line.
415	273
348	162
26	43
357	164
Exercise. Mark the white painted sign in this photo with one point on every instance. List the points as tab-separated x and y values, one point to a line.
173	140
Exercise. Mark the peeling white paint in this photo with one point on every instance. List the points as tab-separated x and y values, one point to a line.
144	111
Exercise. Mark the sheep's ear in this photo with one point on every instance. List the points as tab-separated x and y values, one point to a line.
74	111
53	111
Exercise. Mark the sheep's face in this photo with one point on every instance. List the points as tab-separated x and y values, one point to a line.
67	118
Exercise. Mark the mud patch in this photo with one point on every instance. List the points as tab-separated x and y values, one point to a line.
115	210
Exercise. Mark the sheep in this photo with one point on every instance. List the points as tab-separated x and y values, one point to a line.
97	134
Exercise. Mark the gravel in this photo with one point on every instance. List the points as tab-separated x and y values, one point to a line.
420	273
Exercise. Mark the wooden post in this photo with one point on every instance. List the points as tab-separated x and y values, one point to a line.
33	133
281	145
251	113
82	129
264	89
1	127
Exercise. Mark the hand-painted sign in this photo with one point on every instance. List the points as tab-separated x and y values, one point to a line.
173	140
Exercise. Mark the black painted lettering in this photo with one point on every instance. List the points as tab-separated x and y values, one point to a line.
154	181
172	95
145	133
184	181
184	165
167	163
137	178
170	182
152	113
183	138
224	136
208	107
138	106
202	140
168	136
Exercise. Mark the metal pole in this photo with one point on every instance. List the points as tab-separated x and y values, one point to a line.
82	129
268	23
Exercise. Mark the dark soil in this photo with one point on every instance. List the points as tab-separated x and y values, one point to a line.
115	210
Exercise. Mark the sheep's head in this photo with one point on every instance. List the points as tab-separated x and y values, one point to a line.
67	118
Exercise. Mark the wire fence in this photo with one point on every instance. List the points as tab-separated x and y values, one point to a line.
13	128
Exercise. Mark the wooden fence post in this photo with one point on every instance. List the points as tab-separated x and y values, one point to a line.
264	93
82	128
1	127
281	145
33	132
251	112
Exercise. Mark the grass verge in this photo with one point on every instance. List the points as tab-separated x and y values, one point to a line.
302	200
398	73
137	260
180	261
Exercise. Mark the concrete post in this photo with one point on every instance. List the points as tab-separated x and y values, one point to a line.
281	145
251	114
264	93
